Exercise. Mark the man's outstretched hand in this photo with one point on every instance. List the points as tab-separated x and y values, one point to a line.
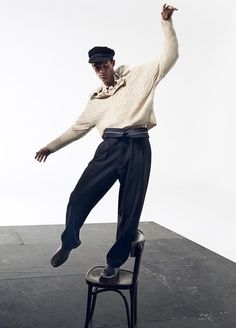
42	154
167	11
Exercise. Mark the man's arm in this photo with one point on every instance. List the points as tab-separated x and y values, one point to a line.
155	70
75	132
170	52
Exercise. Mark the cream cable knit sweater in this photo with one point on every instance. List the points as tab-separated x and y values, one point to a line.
130	101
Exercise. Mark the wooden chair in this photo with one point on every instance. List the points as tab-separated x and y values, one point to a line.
127	280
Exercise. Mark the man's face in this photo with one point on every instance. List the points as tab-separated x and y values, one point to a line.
105	71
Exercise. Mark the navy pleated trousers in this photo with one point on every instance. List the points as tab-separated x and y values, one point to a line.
123	155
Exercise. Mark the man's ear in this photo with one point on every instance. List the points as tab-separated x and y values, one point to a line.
113	62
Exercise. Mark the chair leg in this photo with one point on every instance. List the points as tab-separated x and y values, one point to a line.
126	307
131	292
133	306
94	298
88	310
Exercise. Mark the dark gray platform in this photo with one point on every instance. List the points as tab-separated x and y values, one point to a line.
182	285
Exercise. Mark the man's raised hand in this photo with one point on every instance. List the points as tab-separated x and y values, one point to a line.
167	11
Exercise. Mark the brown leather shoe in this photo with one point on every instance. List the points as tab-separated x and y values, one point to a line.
60	257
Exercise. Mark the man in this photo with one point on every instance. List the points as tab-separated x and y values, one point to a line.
122	110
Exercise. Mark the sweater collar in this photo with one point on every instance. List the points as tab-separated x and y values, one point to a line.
119	77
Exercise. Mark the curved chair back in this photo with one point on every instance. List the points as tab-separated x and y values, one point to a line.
137	247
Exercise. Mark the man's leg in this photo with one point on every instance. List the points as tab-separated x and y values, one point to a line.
95	181
133	179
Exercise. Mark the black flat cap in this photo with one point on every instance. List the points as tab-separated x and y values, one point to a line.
100	54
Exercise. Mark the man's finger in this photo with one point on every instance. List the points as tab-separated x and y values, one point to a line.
37	155
171	8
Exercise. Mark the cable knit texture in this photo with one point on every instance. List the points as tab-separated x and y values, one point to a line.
130	101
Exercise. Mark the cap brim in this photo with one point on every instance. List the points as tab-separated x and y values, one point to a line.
99	59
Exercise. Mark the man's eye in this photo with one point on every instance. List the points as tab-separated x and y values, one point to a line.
98	67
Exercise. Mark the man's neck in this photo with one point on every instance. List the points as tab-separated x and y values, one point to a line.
110	84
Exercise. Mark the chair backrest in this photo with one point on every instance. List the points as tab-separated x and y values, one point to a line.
137	246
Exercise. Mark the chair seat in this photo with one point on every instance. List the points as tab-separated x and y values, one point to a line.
124	280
